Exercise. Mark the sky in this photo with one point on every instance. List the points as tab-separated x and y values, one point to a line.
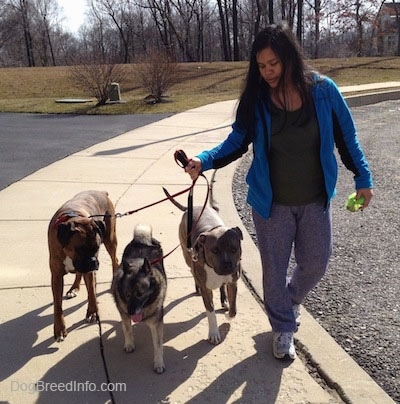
74	13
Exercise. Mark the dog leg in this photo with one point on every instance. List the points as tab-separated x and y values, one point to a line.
157	334
111	247
213	333
57	286
232	293
90	282
74	290
214	336
222	294
129	344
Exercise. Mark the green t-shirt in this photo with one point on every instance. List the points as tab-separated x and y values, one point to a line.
295	165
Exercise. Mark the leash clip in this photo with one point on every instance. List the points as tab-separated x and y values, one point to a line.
194	255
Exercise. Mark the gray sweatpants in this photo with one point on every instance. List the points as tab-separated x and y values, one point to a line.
308	229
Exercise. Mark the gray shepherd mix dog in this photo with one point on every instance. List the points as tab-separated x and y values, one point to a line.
214	259
139	287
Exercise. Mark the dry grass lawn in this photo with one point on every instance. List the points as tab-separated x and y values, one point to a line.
36	89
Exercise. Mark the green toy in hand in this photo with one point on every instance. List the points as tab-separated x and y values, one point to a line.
353	204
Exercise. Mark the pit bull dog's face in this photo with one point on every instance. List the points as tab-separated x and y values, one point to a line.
81	239
222	249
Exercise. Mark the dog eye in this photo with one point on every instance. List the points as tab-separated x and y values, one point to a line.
214	250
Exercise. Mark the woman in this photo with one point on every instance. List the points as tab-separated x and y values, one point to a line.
293	118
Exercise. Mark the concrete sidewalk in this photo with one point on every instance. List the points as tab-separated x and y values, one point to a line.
133	168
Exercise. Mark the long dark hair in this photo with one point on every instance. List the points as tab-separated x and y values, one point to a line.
284	44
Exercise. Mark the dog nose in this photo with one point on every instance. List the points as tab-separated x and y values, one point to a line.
94	264
91	264
228	267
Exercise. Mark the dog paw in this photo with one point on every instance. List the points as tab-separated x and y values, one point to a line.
73	292
128	348
60	333
60	337
214	338
91	318
159	368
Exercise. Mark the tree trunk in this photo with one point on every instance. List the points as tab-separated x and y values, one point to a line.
398	26
299	30
27	33
236	56
271	11
224	36
317	30
359	29
46	25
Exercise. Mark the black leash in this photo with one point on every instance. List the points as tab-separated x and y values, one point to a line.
182	160
103	357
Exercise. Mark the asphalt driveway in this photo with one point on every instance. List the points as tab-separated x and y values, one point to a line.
32	141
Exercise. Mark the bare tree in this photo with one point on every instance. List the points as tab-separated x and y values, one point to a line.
22	7
288	11
299	29
160	12
122	31
316	7
119	12
46	9
356	16
397	11
224	32
228	16
178	24
6	23
235	33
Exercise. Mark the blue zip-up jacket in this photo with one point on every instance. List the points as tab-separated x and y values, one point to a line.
336	127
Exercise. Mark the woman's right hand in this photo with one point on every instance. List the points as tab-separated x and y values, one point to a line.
194	168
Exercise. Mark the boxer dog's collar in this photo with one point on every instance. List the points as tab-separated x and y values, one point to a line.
64	217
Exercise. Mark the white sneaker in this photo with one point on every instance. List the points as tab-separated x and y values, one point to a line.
283	344
297	313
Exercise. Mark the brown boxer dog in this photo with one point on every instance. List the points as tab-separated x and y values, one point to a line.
75	234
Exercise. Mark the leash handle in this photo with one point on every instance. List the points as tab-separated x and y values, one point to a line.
182	161
181	158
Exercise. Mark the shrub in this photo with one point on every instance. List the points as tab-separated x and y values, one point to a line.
97	78
157	74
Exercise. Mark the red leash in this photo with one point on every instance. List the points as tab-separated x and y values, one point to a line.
182	160
131	212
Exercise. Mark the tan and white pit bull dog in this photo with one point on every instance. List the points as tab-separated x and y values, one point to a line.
214	259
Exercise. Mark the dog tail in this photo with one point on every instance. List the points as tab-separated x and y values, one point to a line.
176	203
143	234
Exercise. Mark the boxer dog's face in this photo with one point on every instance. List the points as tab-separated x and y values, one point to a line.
81	239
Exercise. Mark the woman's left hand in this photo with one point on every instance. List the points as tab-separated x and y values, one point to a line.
367	193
